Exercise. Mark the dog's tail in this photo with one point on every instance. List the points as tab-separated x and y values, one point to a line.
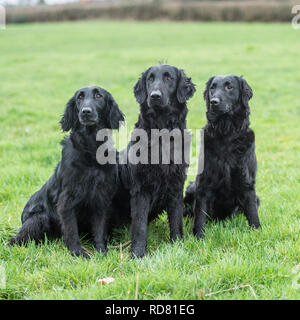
189	199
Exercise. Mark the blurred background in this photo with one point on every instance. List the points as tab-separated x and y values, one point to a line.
20	11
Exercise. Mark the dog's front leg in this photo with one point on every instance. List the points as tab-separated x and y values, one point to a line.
250	204
99	231
69	227
175	216
70	233
200	213
140	206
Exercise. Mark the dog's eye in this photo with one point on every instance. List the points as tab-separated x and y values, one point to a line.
168	78
228	87
98	96
81	96
150	79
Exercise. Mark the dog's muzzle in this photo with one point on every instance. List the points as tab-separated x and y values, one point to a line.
217	107
156	98
87	116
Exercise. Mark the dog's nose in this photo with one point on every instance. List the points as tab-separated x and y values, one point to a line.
86	111
156	94
215	102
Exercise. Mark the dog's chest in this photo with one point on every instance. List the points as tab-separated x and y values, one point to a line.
159	180
224	159
221	156
226	152
95	182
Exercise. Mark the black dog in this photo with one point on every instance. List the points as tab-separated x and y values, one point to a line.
76	200
162	92
227	183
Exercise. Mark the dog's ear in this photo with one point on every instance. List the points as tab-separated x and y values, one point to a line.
245	92
140	91
70	118
115	115
206	91
185	88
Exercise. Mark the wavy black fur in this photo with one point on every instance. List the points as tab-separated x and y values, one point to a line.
227	184
149	189
76	200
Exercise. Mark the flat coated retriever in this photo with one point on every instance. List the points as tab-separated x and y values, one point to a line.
162	92
77	199
227	183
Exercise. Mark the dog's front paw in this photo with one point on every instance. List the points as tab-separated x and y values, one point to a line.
79	252
138	252
199	235
255	225
101	249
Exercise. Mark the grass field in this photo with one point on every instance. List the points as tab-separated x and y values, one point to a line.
41	67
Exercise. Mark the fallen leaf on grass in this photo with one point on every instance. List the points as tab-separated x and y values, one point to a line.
106	280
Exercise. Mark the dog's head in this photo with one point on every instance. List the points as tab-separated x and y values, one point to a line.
226	95
91	106
159	85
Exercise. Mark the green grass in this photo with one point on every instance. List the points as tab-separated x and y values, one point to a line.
41	67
